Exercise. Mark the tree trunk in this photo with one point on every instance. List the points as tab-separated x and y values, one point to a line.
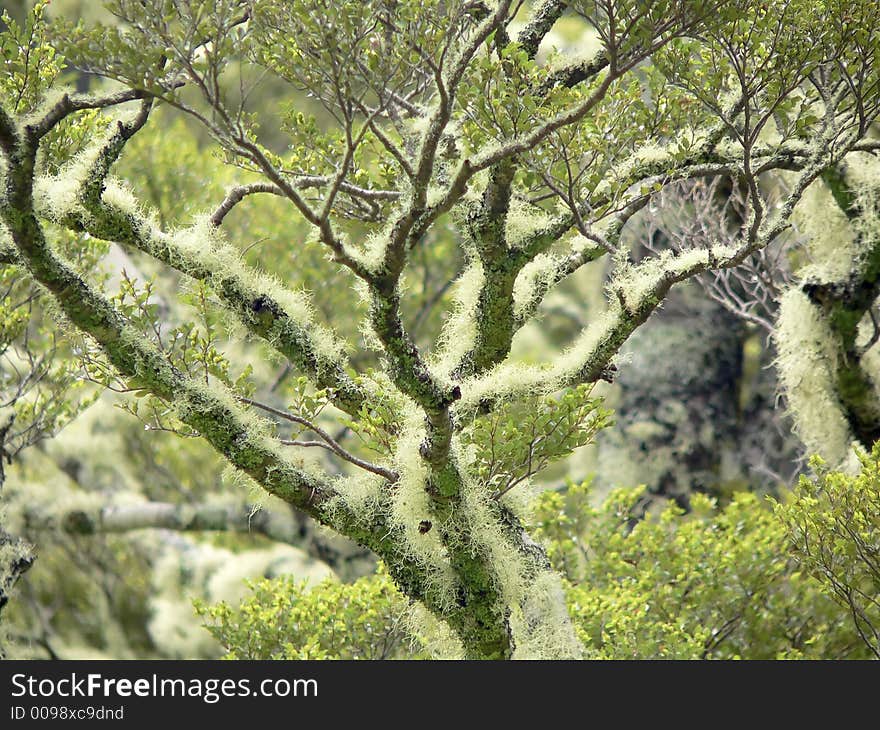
826	326
695	408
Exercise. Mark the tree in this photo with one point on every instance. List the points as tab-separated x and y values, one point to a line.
39	388
451	116
813	295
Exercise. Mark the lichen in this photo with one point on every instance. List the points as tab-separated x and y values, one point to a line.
431	635
523	221
508	567
808	353
460	329
411	510
542	626
831	242
360	495
535	278
634	283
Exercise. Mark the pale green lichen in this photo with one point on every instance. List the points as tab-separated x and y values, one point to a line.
508	568
360	495
57	196
542	626
200	244
430	634
535	278
809	349
635	283
507	380
631	287
539	619
483	524
523	221
460	329
583	349
808	353
372	251
831	241
411	508
863	176
647	155
206	245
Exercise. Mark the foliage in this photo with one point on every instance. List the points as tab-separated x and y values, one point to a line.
41	384
29	59
287	619
834	529
521	439
718	583
41	388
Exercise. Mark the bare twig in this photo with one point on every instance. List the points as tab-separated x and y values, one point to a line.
328	441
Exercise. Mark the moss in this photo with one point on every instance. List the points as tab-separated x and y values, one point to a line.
494	317
840	191
404	364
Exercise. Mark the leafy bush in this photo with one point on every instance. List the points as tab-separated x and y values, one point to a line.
286	619
712	584
834	526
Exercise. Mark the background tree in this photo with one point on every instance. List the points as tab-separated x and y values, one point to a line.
446	118
811	296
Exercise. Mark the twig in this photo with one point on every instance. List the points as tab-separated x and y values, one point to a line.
329	442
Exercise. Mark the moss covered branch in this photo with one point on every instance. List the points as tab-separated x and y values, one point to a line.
276	315
823	320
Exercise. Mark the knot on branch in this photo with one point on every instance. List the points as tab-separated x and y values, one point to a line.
608	373
847	293
78	522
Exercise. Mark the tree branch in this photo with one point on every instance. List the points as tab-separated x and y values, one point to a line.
542	20
237	194
210	413
304	343
68	105
589	358
238	517
328	441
